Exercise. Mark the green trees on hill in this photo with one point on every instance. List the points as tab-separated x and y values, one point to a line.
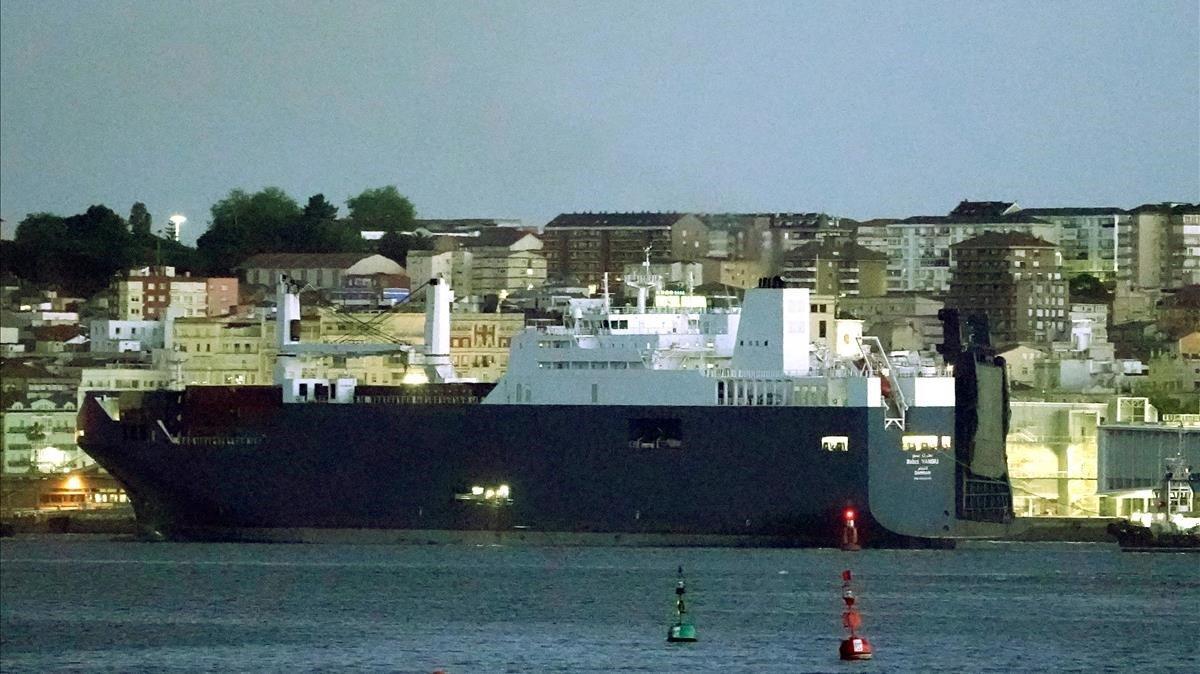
269	220
81	253
244	224
381	208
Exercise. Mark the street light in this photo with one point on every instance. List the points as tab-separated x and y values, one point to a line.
175	226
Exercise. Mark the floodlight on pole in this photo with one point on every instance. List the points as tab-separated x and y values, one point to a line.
175	226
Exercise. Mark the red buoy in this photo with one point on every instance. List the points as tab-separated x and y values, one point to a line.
855	646
849	531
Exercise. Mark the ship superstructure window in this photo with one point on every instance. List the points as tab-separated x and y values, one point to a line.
917	443
835	443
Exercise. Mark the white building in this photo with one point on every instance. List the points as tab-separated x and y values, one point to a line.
113	336
39	436
123	378
919	256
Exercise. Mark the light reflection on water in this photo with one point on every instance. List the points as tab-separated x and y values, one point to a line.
98	605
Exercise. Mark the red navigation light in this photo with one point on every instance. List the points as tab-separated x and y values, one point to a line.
849	514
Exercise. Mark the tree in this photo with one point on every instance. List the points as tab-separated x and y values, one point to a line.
396	246
319	230
39	248
382	208
1088	289
139	220
100	249
80	253
319	209
244	224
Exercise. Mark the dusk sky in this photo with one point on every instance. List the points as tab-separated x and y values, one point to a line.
527	109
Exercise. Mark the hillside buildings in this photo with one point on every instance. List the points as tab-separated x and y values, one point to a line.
323	271
118	336
837	267
587	245
1014	279
39	435
491	261
1160	248
145	295
919	248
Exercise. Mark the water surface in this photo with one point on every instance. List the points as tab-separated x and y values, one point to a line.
91	604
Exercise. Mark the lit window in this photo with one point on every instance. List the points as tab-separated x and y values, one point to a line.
913	443
835	443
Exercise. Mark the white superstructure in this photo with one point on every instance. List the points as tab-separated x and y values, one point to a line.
760	355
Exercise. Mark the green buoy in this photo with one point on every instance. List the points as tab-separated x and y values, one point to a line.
682	629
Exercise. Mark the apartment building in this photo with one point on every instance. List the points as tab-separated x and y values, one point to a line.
1086	237
39	435
492	261
116	336
588	245
920	248
1016	280
222	351
145	294
837	267
1160	247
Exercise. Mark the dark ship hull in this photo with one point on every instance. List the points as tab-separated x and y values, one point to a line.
233	463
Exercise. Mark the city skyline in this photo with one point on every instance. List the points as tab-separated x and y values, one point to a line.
525	112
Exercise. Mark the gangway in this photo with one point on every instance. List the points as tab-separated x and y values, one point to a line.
876	363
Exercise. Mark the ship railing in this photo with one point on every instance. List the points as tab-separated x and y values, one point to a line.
417	399
730	373
217	441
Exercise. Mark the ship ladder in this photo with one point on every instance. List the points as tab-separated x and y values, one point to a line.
876	362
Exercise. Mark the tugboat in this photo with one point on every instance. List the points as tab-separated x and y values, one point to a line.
682	629
1176	525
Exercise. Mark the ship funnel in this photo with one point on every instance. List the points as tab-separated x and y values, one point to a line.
772	335
287	312
437	331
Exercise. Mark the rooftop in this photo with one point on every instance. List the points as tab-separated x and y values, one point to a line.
1020	217
303	260
844	250
1167	207
595	220
494	236
983	209
56	333
14	369
455	224
1186	297
1071	210
1004	240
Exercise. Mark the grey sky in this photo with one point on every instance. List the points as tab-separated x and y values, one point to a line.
528	109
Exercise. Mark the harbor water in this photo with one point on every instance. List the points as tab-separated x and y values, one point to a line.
78	603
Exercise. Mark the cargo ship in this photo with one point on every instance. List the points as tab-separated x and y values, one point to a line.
623	425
